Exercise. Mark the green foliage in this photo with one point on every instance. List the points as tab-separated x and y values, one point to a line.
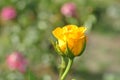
30	31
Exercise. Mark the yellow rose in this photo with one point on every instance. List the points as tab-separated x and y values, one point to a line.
71	37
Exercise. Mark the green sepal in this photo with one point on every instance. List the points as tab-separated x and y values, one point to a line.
57	48
69	53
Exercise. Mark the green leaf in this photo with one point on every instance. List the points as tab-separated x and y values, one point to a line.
30	75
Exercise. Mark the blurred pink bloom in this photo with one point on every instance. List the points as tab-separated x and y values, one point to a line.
8	13
16	61
68	9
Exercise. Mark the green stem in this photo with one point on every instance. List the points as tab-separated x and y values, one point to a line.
62	66
70	61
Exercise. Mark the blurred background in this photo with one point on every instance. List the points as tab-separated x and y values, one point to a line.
26	25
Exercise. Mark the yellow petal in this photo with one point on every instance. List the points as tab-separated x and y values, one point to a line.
78	46
58	33
82	29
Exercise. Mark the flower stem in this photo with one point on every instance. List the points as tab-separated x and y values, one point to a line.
70	61
62	66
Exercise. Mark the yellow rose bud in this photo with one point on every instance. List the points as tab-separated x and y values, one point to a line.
71	37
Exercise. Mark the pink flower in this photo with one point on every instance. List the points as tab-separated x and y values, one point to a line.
68	9
8	13
16	61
